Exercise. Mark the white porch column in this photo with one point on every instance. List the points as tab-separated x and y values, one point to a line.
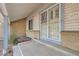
6	29
6	35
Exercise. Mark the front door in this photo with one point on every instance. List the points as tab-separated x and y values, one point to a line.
44	25
54	23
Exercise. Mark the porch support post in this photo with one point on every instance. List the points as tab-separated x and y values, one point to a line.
6	35
6	28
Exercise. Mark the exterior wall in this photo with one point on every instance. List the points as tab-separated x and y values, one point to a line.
18	27
35	33
71	17
70	40
31	33
70	35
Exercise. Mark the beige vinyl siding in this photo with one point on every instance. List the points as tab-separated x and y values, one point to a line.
70	40
19	27
71	17
34	34
70	35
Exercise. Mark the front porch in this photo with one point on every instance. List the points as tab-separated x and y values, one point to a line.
51	27
42	48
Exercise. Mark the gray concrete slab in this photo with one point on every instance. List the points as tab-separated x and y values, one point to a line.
16	51
61	47
34	48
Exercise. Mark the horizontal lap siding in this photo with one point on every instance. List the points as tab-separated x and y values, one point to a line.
18	27
71	17
31	33
70	35
36	35
70	40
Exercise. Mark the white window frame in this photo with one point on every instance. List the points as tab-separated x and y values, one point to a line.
29	18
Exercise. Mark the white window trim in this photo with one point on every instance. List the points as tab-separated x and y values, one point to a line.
29	18
61	20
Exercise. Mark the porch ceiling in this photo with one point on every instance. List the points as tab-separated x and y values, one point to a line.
20	10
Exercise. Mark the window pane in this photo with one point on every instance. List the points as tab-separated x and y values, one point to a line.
30	24
57	12
51	14
44	17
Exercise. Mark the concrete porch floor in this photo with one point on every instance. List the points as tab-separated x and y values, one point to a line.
38	48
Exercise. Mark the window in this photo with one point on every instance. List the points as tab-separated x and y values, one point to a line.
56	12
44	17
30	24
51	15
